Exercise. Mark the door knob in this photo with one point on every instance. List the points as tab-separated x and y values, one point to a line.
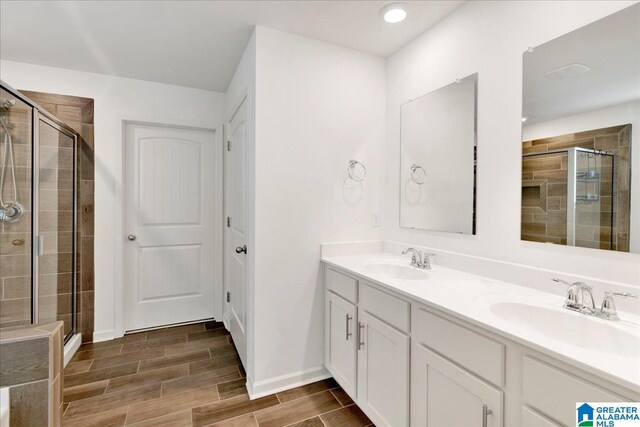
241	249
131	237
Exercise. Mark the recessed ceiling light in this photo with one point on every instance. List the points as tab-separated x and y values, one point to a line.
394	12
524	119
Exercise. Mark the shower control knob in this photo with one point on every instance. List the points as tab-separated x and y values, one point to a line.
131	237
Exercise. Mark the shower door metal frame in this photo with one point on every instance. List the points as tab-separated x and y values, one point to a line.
40	114
37	243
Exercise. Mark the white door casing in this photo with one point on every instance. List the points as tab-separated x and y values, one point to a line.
173	221
235	263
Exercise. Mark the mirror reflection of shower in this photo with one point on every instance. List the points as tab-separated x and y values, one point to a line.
10	208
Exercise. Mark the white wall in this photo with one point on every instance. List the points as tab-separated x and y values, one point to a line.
318	106
611	116
115	98
489	38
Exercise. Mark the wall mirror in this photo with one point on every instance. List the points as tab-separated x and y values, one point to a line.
438	159
581	137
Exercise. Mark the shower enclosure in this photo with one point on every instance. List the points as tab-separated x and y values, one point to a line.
38	226
575	188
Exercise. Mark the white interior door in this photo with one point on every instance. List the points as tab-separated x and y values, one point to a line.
173	203
236	231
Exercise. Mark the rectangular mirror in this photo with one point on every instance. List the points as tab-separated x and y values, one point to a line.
580	137
438	159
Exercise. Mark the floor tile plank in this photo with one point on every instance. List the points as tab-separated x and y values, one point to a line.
203	344
154	343
229	408
246	420
96	354
209	333
111	401
213	325
178	359
351	416
215	363
201	380
169	404
297	410
113	418
133	356
175	330
149	377
232	388
342	396
141	336
84	391
311	422
306	390
100	374
178	419
78	367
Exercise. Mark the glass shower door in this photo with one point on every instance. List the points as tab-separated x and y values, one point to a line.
55	242
16	147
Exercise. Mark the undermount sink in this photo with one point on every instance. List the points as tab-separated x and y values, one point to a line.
571	328
395	270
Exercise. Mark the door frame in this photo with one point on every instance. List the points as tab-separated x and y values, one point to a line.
120	209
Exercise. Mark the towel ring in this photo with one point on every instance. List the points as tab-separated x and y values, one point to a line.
356	171
418	174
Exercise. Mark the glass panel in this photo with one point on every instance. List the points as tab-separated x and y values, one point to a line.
594	204
55	223
16	146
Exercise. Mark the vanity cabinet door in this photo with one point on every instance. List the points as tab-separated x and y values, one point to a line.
443	394
340	341
383	372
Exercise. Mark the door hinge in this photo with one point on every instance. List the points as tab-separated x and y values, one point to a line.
228	145
228	221
228	296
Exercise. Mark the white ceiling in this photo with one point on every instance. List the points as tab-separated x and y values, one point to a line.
191	43
609	46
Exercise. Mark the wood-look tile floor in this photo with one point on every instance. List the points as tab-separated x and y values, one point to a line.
187	376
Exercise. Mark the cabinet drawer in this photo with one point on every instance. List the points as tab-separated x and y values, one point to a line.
386	307
343	285
539	378
479	354
531	418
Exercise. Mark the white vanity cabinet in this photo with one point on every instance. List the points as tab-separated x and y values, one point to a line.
443	394
367	347
340	341
406	363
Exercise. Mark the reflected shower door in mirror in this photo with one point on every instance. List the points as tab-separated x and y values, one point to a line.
580	140
438	159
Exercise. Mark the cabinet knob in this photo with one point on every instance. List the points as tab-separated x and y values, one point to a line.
241	249
131	237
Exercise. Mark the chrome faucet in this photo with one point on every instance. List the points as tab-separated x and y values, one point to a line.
418	259
575	300
608	309
576	296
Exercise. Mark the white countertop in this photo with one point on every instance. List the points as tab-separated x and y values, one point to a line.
470	297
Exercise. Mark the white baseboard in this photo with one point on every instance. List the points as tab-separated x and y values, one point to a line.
71	347
104	335
285	382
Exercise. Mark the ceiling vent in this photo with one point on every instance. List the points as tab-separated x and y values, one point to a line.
568	71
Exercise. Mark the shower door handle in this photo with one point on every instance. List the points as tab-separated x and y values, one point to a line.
131	237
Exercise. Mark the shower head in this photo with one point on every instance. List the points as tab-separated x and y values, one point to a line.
6	103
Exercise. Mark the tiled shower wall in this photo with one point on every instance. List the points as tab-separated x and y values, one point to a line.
544	191
77	113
